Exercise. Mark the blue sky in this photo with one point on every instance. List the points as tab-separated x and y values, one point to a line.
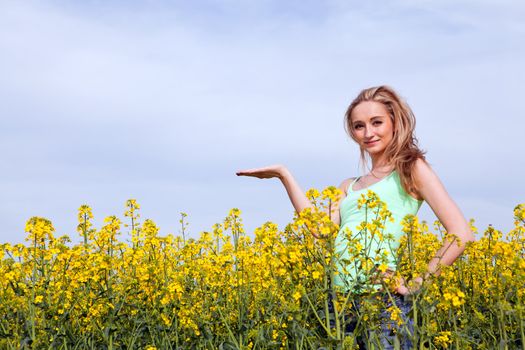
162	101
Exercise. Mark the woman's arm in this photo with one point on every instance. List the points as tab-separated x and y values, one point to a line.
335	215
296	194
434	193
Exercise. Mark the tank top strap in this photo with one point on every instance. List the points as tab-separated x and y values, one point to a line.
349	188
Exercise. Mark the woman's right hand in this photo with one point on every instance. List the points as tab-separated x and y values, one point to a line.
296	194
267	172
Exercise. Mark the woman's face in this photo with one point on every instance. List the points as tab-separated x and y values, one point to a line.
372	127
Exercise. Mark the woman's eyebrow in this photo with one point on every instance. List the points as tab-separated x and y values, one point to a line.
371	118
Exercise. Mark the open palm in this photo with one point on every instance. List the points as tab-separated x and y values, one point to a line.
264	172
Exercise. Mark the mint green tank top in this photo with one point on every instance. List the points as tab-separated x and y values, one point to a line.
398	201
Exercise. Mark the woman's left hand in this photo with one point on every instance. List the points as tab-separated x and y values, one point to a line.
404	289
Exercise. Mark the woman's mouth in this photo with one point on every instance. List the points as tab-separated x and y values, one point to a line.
371	143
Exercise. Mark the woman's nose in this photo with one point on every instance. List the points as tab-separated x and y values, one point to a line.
368	131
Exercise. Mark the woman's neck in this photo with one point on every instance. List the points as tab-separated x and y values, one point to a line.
379	162
380	166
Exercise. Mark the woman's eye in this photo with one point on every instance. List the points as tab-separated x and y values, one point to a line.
378	122
358	126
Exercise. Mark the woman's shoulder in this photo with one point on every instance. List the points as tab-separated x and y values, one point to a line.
345	184
424	175
422	169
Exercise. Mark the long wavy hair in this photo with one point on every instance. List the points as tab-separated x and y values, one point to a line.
403	151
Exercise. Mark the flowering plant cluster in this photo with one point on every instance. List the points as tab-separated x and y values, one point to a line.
273	289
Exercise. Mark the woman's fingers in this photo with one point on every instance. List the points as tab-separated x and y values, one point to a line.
412	287
248	172
401	287
262	173
253	172
256	174
402	290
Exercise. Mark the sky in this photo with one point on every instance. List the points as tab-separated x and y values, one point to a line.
163	101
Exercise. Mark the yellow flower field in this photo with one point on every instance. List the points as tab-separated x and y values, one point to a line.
125	287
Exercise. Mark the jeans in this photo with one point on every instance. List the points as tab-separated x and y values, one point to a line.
390	331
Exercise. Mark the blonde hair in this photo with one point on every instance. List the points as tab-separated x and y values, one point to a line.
402	152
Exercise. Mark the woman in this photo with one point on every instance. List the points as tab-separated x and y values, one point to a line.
382	124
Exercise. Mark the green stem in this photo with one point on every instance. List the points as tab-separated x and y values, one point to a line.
522	332
325	327
230	333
